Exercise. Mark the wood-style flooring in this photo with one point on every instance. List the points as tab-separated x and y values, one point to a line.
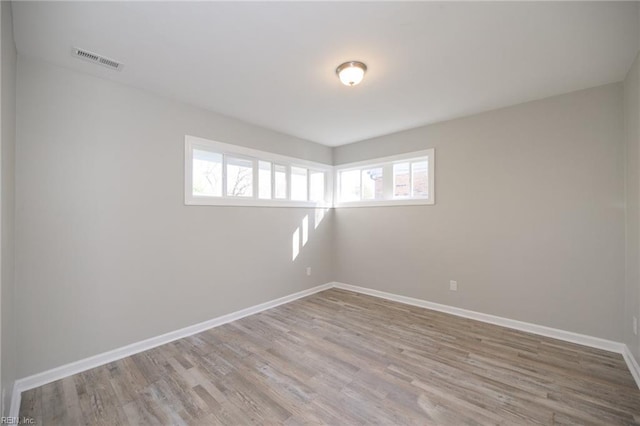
343	358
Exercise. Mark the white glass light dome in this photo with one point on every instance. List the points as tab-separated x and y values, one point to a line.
351	73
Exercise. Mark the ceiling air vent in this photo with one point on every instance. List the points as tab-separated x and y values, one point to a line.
97	59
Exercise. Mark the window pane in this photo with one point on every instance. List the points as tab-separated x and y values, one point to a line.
280	181
372	184
264	180
420	179
316	186
350	185
298	184
401	182
207	173
239	177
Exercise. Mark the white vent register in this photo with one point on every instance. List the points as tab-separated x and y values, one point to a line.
97	59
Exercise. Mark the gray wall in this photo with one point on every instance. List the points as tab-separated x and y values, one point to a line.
529	215
107	253
529	218
7	182
632	192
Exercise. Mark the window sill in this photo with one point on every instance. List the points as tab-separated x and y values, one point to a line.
252	202
385	203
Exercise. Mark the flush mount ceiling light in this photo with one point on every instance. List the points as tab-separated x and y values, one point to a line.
351	73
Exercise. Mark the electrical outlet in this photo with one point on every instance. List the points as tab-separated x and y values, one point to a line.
635	325
453	285
308	271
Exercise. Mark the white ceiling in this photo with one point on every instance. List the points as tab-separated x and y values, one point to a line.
272	64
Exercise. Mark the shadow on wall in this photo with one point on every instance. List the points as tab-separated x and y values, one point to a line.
300	236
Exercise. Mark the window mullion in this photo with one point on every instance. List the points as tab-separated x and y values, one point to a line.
387	181
411	180
288	179
224	175
189	170
273	181
256	171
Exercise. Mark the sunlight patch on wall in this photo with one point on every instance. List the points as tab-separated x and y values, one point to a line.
319	216
295	243
305	230
302	234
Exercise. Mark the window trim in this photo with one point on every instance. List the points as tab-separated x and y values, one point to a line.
386	163
255	155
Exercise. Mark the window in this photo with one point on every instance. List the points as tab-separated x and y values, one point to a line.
239	177
264	180
316	185
298	183
350	185
372	184
207	173
223	174
281	182
397	180
420	179
401	181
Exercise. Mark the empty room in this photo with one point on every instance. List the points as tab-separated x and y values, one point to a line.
341	213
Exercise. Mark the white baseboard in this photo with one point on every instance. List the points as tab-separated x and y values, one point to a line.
79	366
567	336
16	395
61	372
632	364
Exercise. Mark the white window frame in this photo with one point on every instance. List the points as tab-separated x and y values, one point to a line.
193	142
386	163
